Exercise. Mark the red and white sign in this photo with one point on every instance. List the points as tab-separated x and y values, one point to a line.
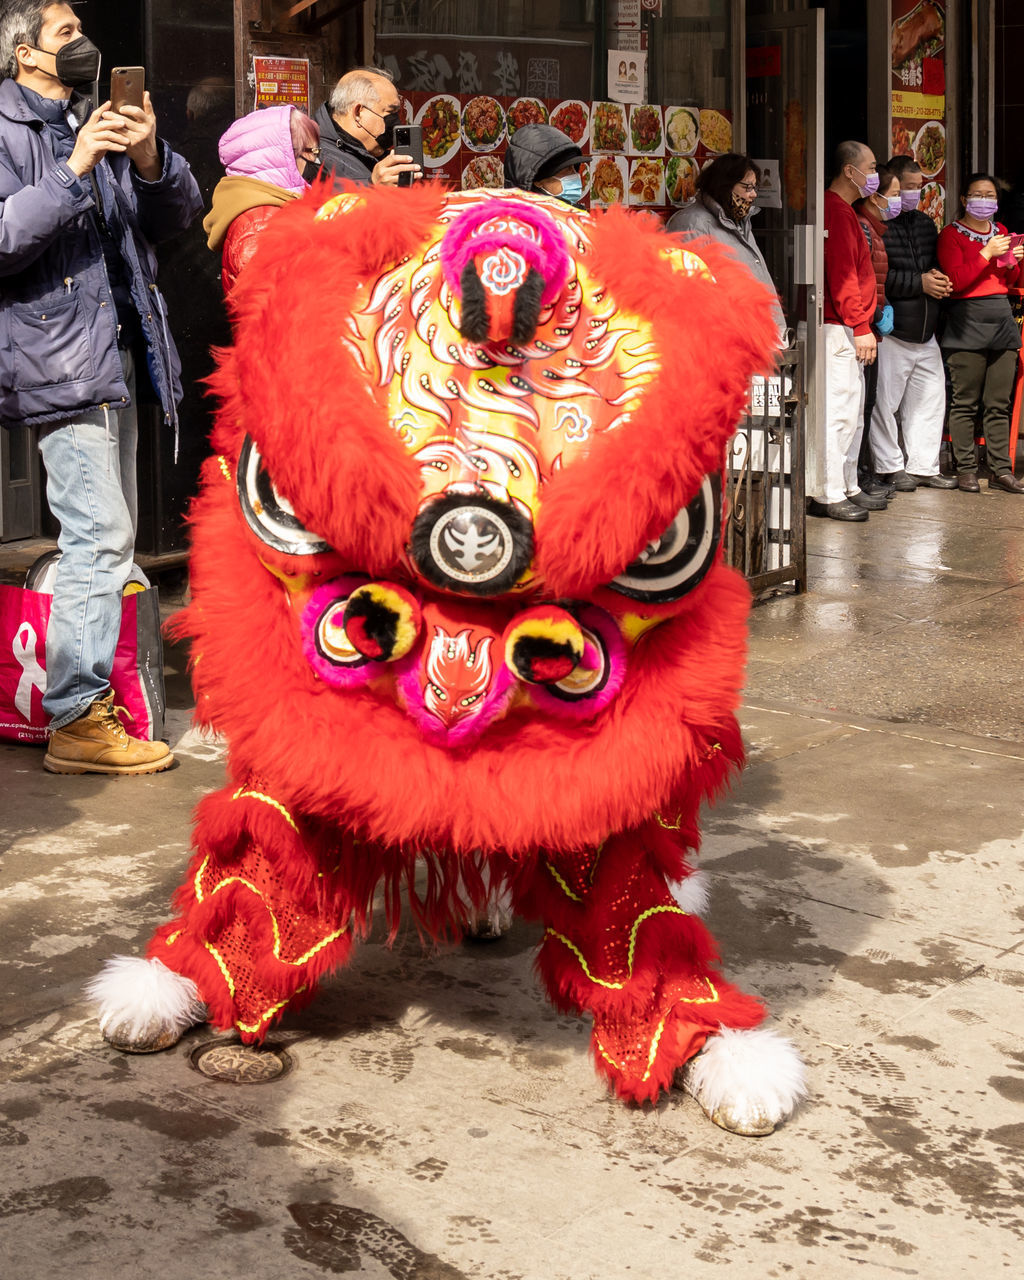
653	7
281	80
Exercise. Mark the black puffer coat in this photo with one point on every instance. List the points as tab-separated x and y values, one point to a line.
535	147
340	155
910	242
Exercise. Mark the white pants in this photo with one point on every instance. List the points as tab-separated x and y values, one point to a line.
844	415
911	382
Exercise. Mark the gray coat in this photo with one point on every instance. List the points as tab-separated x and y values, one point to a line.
706	217
58	322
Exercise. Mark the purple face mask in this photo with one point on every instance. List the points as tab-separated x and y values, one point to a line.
871	181
909	200
982	207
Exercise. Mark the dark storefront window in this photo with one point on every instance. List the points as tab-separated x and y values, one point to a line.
690	52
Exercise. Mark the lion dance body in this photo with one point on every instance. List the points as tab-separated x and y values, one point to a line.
457	605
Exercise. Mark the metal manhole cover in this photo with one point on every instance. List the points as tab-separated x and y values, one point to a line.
241	1063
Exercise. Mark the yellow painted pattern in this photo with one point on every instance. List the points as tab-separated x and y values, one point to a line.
618	986
242	794
223	967
652	1054
225	470
253	1027
223	884
562	885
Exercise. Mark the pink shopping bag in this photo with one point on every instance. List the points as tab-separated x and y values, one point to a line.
137	678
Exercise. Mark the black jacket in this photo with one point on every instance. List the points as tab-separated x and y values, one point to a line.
910	242
340	155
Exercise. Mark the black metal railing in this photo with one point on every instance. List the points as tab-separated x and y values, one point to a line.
764	535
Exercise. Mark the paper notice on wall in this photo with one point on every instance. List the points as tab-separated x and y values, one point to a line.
769	186
627	75
281	80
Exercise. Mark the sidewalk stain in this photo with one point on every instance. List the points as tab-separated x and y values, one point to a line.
337	1237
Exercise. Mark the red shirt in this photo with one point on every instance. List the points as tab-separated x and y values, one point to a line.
851	294
972	276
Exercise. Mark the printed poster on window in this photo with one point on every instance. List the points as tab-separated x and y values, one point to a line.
281	80
918	46
627	75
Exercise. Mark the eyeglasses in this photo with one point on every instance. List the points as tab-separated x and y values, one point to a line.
750	187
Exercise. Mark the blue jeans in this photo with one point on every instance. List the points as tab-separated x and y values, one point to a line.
92	490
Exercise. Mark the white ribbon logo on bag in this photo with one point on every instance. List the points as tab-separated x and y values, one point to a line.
32	674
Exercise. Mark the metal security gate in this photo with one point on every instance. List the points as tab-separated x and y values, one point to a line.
764	536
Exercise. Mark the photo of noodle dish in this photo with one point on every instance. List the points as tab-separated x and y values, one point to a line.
573	119
483	123
442	128
682	130
483	171
647	182
930	148
525	111
681	180
715	131
608	183
645	129
608	127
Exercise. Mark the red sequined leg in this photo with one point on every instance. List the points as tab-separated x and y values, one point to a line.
263	913
618	944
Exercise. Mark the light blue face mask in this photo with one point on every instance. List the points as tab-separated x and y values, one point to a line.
572	189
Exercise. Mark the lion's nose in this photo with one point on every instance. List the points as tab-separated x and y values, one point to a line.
472	544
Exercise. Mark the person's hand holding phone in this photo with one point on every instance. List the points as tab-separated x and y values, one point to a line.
139	125
1017	246
386	172
102	132
996	247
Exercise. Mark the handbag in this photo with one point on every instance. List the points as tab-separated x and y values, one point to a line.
137	677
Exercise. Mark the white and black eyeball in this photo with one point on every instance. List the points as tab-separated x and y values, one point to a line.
677	561
267	513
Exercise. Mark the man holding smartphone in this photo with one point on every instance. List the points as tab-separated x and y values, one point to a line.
357	129
83	195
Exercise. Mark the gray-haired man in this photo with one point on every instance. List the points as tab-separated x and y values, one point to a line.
357	126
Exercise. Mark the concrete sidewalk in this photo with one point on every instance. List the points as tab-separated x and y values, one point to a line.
442	1121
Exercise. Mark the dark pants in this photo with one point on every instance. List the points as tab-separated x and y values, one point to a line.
865	462
981	379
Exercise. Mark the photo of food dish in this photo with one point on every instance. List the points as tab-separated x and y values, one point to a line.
919	34
647	181
930	148
682	130
483	123
681	180
715	131
645	130
483	171
608	184
525	111
406	111
933	202
902	139
573	118
442	128
608	127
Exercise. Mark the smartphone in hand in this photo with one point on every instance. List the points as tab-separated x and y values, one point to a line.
1016	241
409	142
127	85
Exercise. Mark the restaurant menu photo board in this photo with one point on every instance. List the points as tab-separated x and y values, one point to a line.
919	95
644	155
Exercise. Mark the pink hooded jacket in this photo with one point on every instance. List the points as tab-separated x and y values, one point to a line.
259	145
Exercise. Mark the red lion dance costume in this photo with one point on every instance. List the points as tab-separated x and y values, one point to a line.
464	513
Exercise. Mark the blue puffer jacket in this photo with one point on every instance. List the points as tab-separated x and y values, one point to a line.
58	325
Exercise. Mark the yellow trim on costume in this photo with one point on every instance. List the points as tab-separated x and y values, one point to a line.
242	794
253	1027
562	885
669	826
223	884
169	942
293	582
655	1041
223	967
225	470
618	986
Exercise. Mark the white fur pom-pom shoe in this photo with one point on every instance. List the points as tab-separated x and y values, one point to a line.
144	1006
746	1081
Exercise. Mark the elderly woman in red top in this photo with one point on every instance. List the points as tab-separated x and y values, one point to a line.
981	339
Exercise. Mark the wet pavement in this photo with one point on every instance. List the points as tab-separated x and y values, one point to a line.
441	1121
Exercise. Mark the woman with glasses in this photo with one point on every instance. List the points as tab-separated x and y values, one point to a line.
726	192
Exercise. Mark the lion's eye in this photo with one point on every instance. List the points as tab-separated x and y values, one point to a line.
676	562
267	514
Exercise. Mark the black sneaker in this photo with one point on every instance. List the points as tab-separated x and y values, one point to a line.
844	510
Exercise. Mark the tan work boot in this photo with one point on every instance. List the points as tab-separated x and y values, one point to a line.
97	743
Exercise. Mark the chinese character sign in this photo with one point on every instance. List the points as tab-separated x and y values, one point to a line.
281	80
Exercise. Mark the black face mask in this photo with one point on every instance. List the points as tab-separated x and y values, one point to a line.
78	63
387	138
